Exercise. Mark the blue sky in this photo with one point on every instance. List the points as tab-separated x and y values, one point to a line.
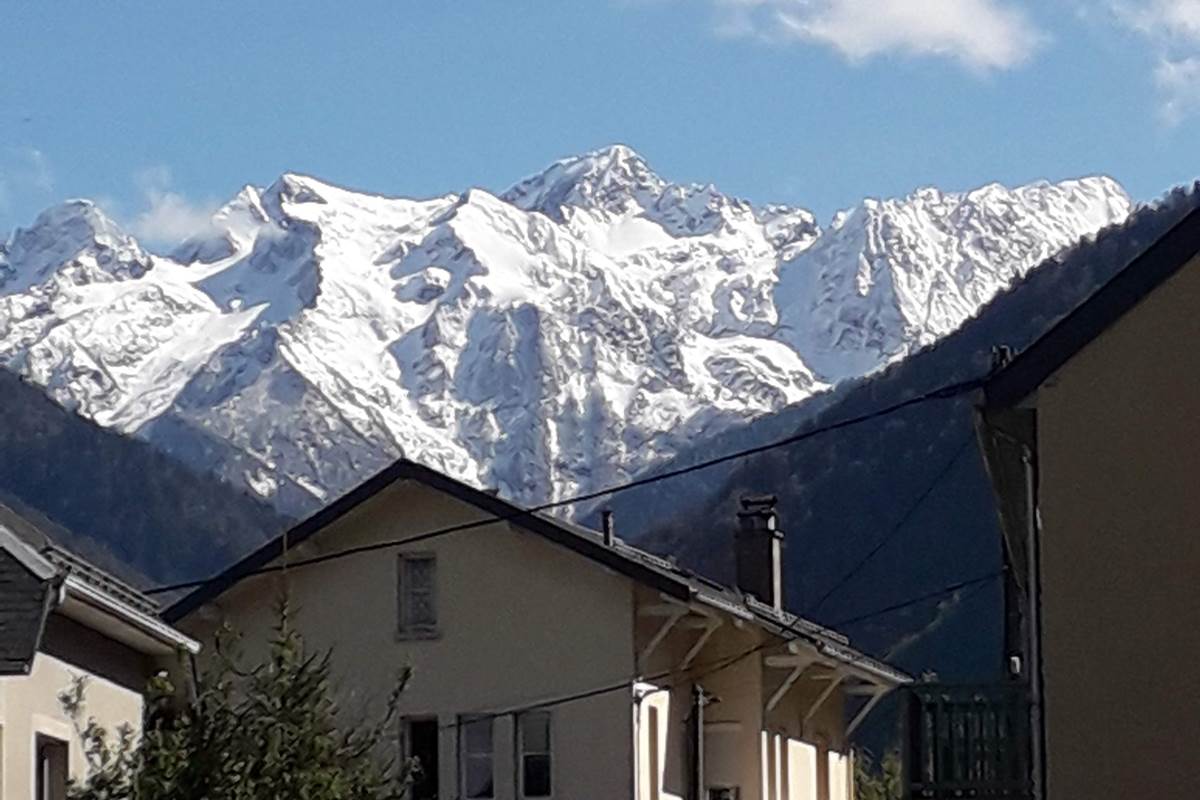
162	110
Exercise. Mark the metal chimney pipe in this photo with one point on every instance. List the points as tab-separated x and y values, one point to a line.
606	525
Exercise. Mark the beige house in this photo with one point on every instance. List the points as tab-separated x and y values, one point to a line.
1092	437
553	661
62	619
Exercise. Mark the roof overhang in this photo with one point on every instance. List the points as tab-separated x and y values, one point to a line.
120	621
498	511
805	640
836	649
28	557
650	571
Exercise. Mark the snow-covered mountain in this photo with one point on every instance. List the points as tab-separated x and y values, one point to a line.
566	334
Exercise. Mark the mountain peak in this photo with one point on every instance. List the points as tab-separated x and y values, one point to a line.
613	179
71	232
574	332
76	217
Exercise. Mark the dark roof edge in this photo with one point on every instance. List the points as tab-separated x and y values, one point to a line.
29	558
621	559
1104	307
408	470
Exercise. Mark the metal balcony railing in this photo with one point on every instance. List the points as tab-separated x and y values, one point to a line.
967	742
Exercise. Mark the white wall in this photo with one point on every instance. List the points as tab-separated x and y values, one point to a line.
521	620
767	756
29	706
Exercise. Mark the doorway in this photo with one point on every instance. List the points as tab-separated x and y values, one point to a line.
421	746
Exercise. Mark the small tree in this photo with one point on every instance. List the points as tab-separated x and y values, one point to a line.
882	782
262	733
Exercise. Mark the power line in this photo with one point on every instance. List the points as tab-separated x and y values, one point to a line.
721	664
718	665
951	589
895	529
558	700
943	393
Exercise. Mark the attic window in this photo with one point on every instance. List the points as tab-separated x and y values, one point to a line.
417	595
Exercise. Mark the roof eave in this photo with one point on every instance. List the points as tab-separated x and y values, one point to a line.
124	622
1020	378
29	558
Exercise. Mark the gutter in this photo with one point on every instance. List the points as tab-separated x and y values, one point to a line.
840	650
829	647
74	588
863	663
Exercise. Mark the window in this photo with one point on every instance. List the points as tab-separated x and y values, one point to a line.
655	760
421	749
417	595
51	776
536	771
475	749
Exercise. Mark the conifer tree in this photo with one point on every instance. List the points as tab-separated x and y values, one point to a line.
884	781
261	733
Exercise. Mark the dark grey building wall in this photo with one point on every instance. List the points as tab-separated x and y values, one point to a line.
23	604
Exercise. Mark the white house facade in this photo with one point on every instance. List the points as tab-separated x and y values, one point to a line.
551	661
62	620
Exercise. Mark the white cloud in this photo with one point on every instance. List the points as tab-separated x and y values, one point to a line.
1163	19
1179	83
168	217
980	34
1173	29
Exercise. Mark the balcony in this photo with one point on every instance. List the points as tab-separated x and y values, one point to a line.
967	742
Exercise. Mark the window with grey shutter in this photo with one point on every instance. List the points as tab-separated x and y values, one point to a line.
417	595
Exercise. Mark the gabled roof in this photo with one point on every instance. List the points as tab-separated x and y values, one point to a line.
87	593
657	573
1144	273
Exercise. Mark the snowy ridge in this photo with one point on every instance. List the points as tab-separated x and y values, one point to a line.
569	333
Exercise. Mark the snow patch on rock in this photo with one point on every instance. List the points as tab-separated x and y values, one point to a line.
571	332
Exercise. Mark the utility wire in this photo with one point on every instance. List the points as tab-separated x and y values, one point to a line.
895	529
722	664
717	665
943	393
951	589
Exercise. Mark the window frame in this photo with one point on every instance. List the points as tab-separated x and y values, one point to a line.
406	746
406	630
50	752
522	752
465	756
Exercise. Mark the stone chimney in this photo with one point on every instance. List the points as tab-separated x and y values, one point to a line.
758	549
